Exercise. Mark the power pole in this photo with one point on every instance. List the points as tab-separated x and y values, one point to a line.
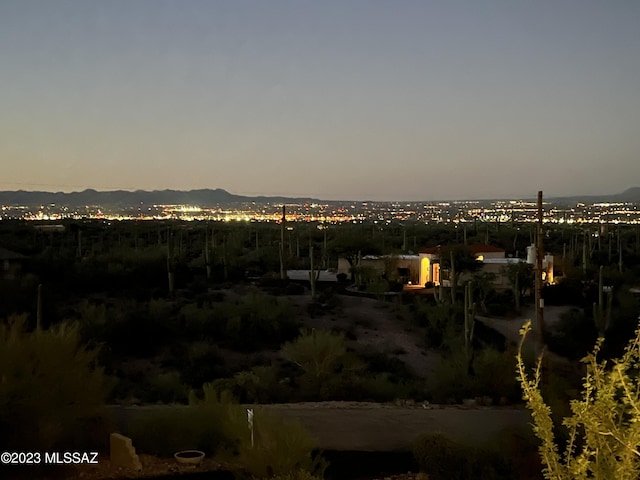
283	267
538	272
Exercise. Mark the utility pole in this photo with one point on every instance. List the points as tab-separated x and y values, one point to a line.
538	272
283	268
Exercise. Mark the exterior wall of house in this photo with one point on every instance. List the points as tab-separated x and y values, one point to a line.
490	254
390	264
344	266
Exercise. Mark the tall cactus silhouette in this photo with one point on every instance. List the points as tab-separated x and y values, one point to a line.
207	253
283	267
584	252
469	322
620	265
602	312
437	294
170	262
79	251
313	273
452	278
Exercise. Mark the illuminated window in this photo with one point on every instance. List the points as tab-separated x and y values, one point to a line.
480	258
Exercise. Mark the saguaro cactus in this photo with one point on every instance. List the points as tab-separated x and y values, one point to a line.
602	313
469	320
170	263
79	251
452	278
313	274
207	253
619	255
584	253
283	268
437	294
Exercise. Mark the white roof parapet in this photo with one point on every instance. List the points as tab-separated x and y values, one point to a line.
504	261
324	275
401	257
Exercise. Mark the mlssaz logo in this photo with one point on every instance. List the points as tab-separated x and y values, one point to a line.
71	458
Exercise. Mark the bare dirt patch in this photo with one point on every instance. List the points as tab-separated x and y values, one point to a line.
376	327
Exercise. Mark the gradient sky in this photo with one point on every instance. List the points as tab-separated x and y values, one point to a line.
344	99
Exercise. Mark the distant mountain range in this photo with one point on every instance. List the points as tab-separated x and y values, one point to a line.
630	195
123	198
216	197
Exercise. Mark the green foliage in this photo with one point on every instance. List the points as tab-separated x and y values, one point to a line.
256	321
203	364
166	430
318	353
51	393
573	335
261	384
604	425
444	459
521	278
441	458
168	388
490	376
439	320
278	448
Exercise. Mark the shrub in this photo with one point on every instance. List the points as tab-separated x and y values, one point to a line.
166	430
278	447
319	354
167	388
51	393
441	458
204	363
574	334
261	384
444	459
604	426
491	375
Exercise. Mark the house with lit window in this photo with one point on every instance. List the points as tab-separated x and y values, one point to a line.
493	260
430	261
404	268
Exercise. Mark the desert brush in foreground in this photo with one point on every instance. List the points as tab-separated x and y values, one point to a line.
604	428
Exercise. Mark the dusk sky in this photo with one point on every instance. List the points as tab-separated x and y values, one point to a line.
345	99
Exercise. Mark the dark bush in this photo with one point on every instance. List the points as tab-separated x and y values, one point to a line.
441	458
444	459
294	289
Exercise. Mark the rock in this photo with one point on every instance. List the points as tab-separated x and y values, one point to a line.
122	453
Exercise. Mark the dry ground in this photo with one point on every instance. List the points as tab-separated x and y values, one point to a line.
376	327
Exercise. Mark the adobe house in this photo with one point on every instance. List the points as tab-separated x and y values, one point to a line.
404	267
493	261
10	263
430	270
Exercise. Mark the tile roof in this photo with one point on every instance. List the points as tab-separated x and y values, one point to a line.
475	249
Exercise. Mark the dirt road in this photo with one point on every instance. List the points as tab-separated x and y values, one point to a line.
386	427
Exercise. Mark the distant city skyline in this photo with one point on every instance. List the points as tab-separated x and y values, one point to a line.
358	100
